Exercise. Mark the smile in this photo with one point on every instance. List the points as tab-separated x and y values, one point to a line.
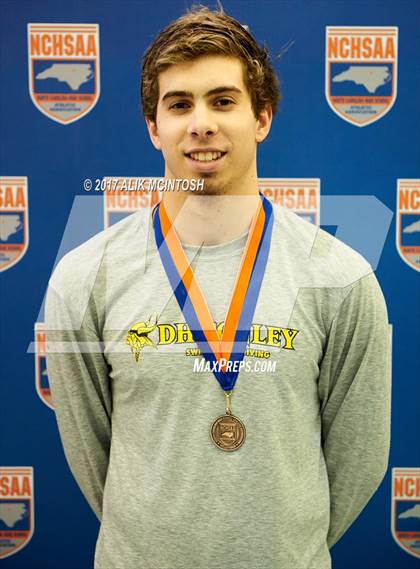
205	156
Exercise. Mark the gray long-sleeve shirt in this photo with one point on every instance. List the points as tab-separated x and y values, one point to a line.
137	434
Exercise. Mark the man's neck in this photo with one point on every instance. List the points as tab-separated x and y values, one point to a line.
210	219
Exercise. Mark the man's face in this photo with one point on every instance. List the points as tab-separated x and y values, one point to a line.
205	125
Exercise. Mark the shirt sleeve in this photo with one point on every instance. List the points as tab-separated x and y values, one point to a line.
79	379
355	393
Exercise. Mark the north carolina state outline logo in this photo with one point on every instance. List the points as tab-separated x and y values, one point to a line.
361	71
124	196
301	195
14	222
408	222
64	69
16	508
405	509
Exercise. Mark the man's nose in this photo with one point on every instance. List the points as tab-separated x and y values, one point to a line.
202	121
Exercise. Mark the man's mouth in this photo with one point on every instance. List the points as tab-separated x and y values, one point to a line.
205	156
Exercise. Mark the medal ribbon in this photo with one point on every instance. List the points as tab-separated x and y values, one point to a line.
244	298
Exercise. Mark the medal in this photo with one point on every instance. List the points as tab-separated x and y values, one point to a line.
226	353
227	431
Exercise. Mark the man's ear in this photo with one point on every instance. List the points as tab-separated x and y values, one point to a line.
264	123
153	133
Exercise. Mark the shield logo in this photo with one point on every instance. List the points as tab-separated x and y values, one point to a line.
408	222
14	226
41	375
405	509
16	508
63	64
124	196
301	195
361	72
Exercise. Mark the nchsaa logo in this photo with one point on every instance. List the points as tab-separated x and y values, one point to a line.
16	508
124	196
121	197
301	195
14	226
41	376
361	72
405	509
408	222
63	62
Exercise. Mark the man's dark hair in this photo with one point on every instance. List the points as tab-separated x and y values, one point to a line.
202	32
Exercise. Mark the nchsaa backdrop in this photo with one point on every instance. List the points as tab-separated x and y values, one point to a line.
348	128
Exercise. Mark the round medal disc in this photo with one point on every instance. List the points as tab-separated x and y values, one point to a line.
228	432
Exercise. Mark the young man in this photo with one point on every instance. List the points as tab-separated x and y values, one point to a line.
197	459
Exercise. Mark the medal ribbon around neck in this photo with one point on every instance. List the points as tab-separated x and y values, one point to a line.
233	343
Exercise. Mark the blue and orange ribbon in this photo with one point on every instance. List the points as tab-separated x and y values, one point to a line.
232	345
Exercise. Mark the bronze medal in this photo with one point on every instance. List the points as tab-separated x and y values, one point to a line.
229	347
228	432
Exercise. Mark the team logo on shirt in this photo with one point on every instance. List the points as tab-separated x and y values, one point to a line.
408	222
16	508
405	509
361	72
301	195
41	376
14	226
138	337
63	64
124	196
150	333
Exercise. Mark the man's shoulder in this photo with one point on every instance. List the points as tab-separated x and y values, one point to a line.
322	259
79	267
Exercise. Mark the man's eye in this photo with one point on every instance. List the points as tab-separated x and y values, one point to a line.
224	102
179	105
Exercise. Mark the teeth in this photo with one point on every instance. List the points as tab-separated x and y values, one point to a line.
205	156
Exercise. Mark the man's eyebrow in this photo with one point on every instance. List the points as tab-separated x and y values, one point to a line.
223	89
216	91
170	94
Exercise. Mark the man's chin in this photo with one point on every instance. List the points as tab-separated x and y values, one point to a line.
211	186
211	183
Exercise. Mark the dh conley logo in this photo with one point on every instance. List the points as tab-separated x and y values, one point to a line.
63	63
408	222
138	337
301	195
361	72
16	508
405	509
14	226
41	375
